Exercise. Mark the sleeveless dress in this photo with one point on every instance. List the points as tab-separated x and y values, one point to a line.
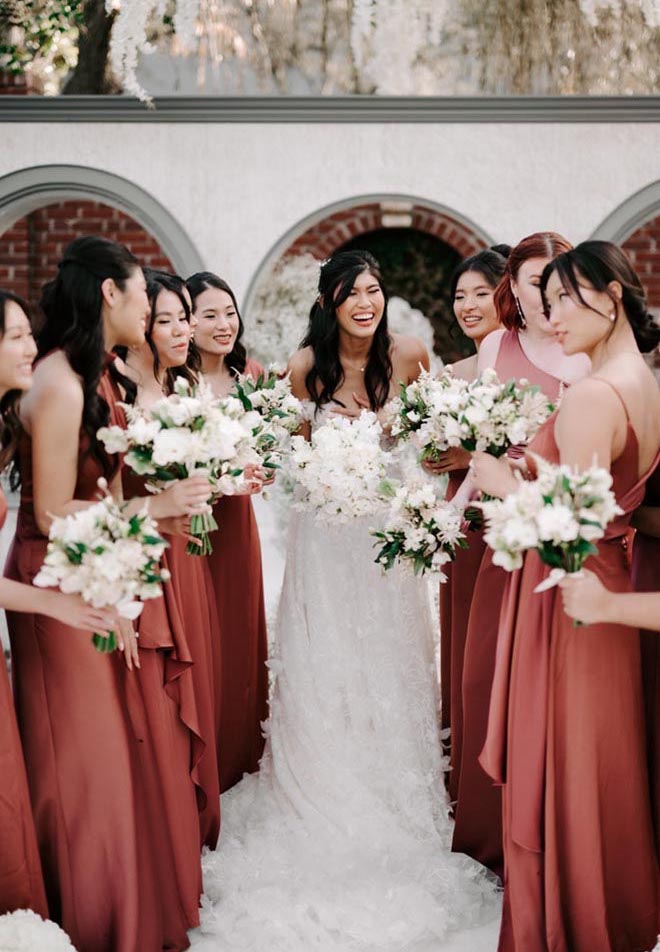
236	578
21	882
82	760
566	738
646	578
478	811
341	842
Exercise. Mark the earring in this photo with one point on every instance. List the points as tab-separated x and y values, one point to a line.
612	317
521	316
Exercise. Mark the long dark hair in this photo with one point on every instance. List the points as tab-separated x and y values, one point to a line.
158	281
202	281
72	305
599	263
490	263
542	244
10	423
338	275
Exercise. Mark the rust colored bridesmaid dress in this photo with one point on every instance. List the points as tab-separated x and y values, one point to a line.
478	811
646	578
81	754
455	600
21	882
566	738
236	578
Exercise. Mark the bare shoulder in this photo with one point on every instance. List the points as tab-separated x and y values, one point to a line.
299	365
465	369
408	353
55	380
589	404
489	349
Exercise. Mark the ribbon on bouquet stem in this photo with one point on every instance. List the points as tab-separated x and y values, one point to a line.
554	578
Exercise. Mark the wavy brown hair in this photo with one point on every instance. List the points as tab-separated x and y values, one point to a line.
542	244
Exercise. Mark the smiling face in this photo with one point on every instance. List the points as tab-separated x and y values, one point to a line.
579	327
474	306
526	287
17	349
170	330
217	322
361	313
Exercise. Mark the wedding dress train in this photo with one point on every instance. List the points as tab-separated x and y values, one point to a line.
341	843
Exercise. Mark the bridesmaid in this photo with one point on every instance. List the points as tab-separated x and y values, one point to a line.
566	733
235	562
80	745
191	665
524	348
21	883
472	286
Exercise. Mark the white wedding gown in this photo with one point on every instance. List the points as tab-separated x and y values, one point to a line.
341	843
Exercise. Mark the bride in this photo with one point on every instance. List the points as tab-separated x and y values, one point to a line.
342	840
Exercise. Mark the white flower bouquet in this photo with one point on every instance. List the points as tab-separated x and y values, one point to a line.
107	557
189	433
340	473
24	931
421	531
279	411
484	414
561	514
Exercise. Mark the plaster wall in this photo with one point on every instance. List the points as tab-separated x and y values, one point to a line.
237	189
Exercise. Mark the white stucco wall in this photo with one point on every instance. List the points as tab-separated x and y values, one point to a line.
237	188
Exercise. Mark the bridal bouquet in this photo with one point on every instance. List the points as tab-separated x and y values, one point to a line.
279	411
560	514
107	557
24	931
341	472
421	531
189	433
484	414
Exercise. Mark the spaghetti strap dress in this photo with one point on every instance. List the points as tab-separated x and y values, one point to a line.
567	741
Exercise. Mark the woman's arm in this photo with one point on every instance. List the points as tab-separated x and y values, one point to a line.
70	609
587	600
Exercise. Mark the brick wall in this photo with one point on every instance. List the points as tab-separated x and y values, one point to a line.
643	247
330	234
31	249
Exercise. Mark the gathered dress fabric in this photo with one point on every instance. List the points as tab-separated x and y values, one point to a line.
455	599
236	578
82	759
21	882
566	739
478	810
646	578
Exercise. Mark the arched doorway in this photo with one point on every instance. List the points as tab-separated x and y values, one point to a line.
418	242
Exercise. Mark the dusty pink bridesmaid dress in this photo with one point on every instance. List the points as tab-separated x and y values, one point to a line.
566	738
21	882
82	760
478	811
646	578
455	601
236	579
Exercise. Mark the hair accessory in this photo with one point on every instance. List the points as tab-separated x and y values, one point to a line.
521	316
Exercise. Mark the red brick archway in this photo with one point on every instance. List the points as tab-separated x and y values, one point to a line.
32	247
643	248
328	234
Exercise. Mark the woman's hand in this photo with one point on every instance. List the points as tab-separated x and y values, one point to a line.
185	497
585	597
454	458
492	476
178	526
127	642
72	610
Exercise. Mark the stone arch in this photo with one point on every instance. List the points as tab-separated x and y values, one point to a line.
27	190
326	229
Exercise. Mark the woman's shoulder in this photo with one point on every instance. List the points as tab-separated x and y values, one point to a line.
254	368
54	374
490	348
465	369
299	365
409	352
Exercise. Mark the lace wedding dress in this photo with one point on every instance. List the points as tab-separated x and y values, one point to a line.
341	843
